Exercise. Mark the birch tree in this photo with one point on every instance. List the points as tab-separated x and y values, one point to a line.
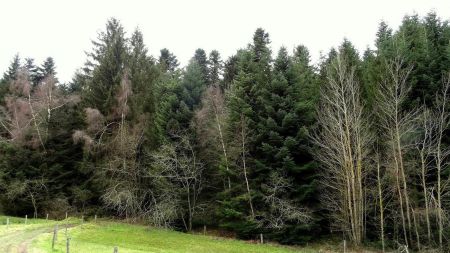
398	126
441	154
343	141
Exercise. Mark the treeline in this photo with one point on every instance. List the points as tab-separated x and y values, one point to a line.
355	146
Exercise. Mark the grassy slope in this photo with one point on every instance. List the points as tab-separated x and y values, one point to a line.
103	236
17	237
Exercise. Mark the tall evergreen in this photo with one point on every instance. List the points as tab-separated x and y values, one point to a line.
202	61
105	67
167	60
13	68
214	67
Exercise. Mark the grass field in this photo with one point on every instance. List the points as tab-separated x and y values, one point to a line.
103	236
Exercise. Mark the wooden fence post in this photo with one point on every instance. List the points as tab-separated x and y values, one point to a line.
66	215
95	218
204	229
345	246
55	236
261	237
46	218
7	222
116	250
26	219
68	245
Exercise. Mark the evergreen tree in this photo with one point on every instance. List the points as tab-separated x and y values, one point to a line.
105	68
167	60
230	71
143	76
214	67
13	68
202	61
33	70
48	67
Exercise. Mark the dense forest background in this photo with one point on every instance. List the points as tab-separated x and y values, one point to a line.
355	146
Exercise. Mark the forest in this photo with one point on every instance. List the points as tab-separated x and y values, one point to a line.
263	143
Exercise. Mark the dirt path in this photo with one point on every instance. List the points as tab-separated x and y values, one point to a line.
18	241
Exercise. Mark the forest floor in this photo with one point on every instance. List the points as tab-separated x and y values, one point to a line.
102	236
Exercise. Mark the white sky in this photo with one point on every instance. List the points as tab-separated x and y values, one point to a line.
64	29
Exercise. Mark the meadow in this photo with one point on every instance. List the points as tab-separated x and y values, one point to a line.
36	236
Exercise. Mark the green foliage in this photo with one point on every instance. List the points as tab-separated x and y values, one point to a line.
265	109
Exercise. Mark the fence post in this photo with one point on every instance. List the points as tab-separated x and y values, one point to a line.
116	250
204	229
68	245
26	219
7	222
55	236
345	246
95	218
46	218
66	215
261	238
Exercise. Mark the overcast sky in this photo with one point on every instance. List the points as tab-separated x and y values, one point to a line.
64	29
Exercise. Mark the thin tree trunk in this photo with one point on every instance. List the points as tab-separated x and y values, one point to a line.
416	230
425	195
399	191
380	196
36	124
243	138
403	179
224	150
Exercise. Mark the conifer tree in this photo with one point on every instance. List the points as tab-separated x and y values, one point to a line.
167	60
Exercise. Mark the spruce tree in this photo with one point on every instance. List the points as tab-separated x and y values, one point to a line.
214	68
105	68
167	60
13	68
202	61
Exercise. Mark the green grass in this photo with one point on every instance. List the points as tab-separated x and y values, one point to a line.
103	236
17	236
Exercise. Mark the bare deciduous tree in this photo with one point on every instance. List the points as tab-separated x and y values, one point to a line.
117	141
28	111
177	161
343	142
441	153
398	126
214	110
281	208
